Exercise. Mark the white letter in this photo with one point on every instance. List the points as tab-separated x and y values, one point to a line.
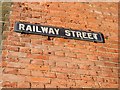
57	31
37	29
51	31
89	35
34	28
84	34
73	33
79	34
21	27
29	28
95	36
67	33
44	29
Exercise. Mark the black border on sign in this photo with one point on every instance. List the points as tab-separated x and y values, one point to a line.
59	36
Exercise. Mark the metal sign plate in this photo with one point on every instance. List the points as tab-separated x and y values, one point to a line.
28	28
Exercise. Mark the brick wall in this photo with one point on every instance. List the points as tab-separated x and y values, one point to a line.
4	25
34	61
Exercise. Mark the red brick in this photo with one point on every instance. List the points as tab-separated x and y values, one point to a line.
23	85
83	66
50	86
37	79
72	65
11	48
47	42
17	54
37	85
25	39
12	38
112	50
36	41
8	84
24	72
71	84
13	78
70	54
59	82
37	73
10	71
25	49
83	72
4	53
50	74
81	56
62	76
38	67
4	64
24	60
37	56
15	65
63	70
111	64
86	78
91	57
60	53
75	76
36	51
59	62
14	43
37	61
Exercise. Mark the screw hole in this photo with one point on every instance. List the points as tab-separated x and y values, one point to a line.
48	5
49	52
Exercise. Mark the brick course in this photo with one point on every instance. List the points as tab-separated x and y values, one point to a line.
34	61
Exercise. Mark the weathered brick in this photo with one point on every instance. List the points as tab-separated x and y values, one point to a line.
14	43
13	78
60	53
37	85
15	65
11	48
62	76
38	56
4	53
72	65
37	73
75	76
50	86
36	61
50	74
8	84
25	39
10	71
37	79
38	67
17	54
23	85
58	82
70	54
24	72
11	38
25	49
24	60
61	64
36	51
36	41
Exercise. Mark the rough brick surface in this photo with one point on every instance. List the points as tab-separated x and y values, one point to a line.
33	61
